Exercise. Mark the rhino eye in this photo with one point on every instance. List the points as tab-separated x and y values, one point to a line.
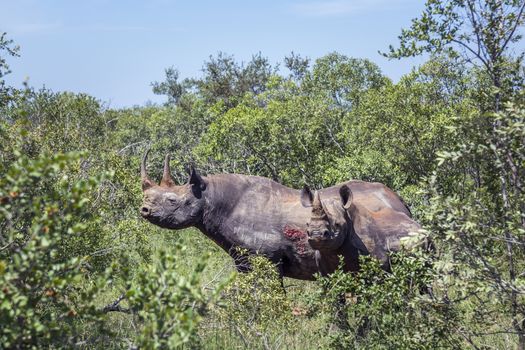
172	198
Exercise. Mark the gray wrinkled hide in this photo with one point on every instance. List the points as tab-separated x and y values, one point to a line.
268	218
379	226
377	220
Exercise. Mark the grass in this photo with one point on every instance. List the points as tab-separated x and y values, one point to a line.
286	323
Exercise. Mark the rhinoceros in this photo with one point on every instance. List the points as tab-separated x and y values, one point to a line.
368	217
253	213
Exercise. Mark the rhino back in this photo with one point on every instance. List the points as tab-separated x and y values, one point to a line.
381	230
262	216
378	215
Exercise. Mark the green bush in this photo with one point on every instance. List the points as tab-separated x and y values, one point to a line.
383	310
478	224
42	213
52	292
254	311
169	307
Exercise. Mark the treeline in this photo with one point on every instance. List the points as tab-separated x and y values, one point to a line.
79	268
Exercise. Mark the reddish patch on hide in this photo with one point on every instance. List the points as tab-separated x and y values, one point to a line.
293	234
297	236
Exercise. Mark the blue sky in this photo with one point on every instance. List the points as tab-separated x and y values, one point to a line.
114	49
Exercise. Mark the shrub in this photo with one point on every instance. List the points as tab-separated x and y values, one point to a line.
254	310
384	310
42	211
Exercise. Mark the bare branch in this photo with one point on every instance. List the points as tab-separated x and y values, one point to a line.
115	307
516	24
130	145
468	48
475	25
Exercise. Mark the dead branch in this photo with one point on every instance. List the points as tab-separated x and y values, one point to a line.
115	307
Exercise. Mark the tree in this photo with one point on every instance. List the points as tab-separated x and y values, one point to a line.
394	133
171	87
7	47
65	220
342	79
480	234
225	80
481	31
297	65
477	209
290	141
42	211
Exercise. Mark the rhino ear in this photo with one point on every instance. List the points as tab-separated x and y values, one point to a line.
196	180
306	196
346	196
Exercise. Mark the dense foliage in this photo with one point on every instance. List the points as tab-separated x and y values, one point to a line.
79	268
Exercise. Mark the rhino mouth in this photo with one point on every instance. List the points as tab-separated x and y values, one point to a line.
324	241
321	236
151	216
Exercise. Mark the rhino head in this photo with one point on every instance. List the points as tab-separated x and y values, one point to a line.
327	227
168	205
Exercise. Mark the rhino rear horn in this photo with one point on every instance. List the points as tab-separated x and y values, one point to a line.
317	201
317	206
166	180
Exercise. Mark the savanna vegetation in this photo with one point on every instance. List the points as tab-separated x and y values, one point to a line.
79	268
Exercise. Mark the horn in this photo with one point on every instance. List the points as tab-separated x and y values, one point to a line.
317	208
146	182
166	175
317	200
